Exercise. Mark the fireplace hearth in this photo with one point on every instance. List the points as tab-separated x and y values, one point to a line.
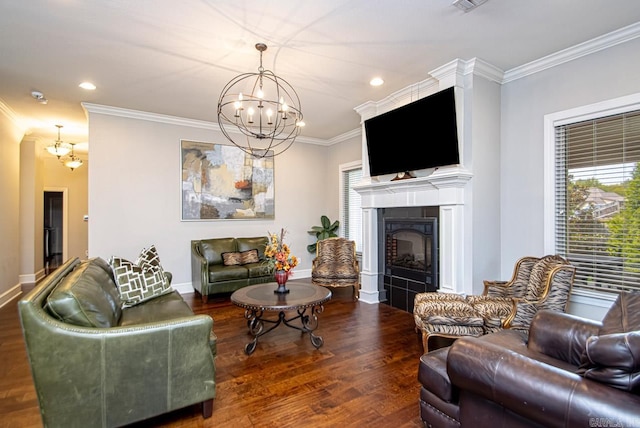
410	259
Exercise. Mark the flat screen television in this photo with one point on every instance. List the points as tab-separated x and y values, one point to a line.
419	135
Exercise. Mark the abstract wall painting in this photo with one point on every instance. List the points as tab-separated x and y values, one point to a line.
221	182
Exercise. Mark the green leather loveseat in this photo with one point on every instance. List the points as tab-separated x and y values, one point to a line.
222	265
95	364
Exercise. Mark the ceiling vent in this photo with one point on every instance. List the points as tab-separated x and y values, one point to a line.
467	5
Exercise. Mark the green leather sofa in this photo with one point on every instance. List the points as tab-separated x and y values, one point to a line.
210	275
95	364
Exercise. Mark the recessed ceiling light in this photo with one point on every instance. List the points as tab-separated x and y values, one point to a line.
376	81
88	86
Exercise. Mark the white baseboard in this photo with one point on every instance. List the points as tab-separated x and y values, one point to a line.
28	278
370	297
11	294
183	288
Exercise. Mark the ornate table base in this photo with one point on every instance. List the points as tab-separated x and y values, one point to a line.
260	298
308	323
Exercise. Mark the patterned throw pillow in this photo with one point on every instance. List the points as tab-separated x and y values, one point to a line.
249	256
231	259
140	281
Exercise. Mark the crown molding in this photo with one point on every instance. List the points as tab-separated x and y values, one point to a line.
583	49
11	115
151	117
450	74
481	68
172	120
344	137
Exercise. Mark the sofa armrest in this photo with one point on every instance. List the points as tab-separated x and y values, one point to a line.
545	394
560	335
199	270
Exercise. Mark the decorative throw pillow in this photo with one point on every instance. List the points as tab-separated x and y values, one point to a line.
231	259
249	256
140	281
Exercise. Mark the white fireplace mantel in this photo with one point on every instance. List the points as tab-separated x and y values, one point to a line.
444	188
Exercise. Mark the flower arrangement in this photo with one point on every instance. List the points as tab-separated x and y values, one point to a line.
278	254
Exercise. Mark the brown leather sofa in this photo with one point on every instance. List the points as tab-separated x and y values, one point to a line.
212	272
95	364
570	372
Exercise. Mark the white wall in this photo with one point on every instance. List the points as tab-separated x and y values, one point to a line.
484	163
135	193
603	75
10	136
31	206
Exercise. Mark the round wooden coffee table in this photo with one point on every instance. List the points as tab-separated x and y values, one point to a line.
258	299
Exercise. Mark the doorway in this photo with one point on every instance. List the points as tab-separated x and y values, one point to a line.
54	231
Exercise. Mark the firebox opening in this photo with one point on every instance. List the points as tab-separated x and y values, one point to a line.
410	259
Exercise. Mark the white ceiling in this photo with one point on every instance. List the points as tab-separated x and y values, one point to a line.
174	58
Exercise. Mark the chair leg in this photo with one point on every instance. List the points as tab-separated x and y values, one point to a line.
207	408
203	297
425	342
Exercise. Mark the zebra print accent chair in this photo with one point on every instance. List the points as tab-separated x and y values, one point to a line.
537	283
336	265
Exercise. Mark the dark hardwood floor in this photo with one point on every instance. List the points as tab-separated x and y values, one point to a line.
365	375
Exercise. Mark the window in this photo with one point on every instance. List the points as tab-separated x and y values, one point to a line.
350	211
597	198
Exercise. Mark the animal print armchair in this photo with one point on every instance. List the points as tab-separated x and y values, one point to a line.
537	283
336	265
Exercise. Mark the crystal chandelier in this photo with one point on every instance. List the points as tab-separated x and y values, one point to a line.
58	149
260	112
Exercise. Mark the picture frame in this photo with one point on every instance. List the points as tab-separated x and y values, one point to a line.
222	182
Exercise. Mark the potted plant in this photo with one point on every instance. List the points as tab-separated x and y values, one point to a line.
327	230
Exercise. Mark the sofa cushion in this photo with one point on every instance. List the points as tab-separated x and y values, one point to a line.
258	243
218	273
615	350
163	308
140	281
87	296
613	356
212	249
231	259
257	270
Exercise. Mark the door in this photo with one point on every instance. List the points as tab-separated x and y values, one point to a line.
53	230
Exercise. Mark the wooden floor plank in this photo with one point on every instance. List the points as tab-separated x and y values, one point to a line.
365	374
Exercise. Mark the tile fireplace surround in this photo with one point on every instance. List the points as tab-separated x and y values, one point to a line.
445	188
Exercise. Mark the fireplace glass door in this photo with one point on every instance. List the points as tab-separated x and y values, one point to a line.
410	259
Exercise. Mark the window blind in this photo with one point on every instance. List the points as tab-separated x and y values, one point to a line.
597	183
351	207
